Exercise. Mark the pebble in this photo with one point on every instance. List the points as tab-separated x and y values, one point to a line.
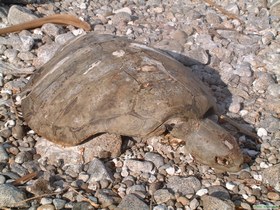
160	207
273	196
246	206
210	203
262	132
132	202
98	171
62	39
162	196
155	158
184	185
59	203
23	156
219	192
46	207
230	185
2	179
107	197
251	199
45	201
137	190
18	14
3	154
271	176
138	166
10	196
194	204
202	192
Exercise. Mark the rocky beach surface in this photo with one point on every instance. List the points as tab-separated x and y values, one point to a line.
232	46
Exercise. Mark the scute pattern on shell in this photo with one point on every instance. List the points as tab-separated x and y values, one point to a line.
102	83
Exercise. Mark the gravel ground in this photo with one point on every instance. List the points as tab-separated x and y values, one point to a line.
233	46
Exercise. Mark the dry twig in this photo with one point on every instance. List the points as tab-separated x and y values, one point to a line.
95	205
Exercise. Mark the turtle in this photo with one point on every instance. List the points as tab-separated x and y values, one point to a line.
108	84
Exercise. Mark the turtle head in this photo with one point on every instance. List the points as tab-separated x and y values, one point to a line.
210	144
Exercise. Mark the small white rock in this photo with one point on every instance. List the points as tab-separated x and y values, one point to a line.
245	196
230	185
257	177
77	32
83	6
194	203
261	132
170	170
124	172
263	165
125	9
10	123
202	192
243	112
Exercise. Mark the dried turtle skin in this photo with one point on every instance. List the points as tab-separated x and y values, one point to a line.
103	83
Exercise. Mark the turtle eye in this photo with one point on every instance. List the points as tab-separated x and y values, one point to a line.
225	161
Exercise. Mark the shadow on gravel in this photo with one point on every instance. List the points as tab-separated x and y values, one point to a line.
212	79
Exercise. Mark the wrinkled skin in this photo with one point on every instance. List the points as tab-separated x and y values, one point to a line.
100	84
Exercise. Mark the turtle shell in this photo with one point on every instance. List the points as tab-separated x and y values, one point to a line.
103	83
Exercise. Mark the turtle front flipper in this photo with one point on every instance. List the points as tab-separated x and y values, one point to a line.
210	144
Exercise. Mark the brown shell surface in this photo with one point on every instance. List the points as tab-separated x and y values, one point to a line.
102	83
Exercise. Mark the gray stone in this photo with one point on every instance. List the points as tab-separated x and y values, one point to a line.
107	197
45	53
82	206
2	179
260	21
274	90
210	203
51	29
46	207
98	171
219	192
11	54
19	169
139	190
243	70
10	196
184	185
103	146
61	39
162	196
199	55
27	43
26	56
271	176
45	201
160	207
155	158
121	17
3	154
194	203
59	203
130	202
262	82
18	14
138	166
23	156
